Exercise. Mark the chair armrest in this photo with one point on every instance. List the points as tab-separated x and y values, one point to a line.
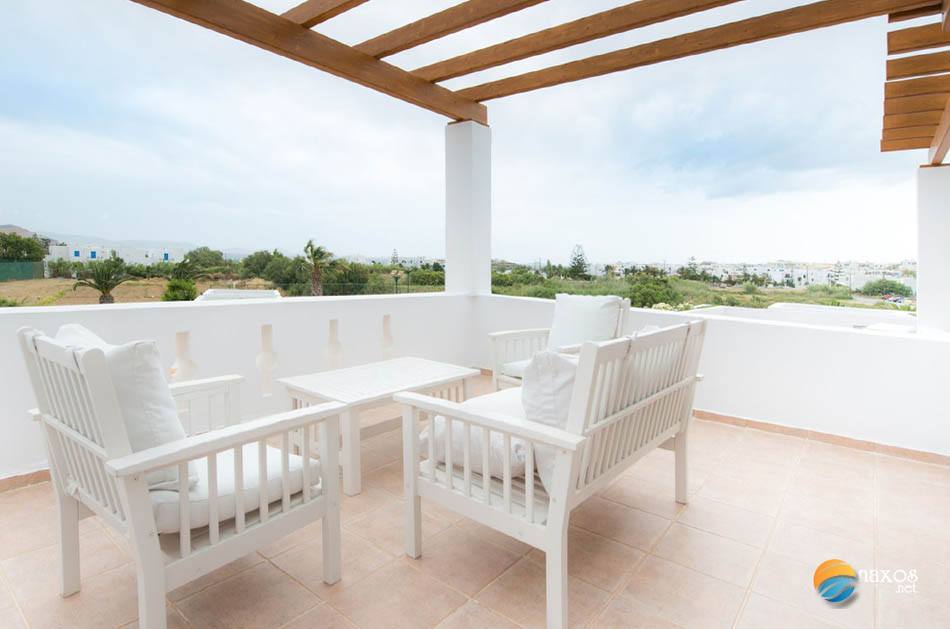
510	335
202	445
528	430
205	386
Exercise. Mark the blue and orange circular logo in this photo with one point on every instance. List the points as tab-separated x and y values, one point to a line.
835	580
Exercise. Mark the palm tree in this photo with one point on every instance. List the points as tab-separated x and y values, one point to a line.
103	276
319	260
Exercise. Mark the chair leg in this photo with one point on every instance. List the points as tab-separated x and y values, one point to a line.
151	586
555	560
68	508
413	526
680	448
350	426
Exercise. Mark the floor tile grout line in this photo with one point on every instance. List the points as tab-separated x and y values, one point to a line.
13	597
768	543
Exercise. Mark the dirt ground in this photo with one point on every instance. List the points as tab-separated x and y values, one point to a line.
59	292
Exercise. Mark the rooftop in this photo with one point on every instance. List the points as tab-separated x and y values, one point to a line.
765	508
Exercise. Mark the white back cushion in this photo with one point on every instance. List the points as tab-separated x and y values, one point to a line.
148	409
580	318
546	389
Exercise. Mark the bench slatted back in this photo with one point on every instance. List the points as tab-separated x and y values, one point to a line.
631	394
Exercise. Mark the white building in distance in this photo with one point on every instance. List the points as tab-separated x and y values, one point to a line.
131	255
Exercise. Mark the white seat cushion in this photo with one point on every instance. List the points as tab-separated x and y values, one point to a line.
165	503
515	368
505	402
145	401
580	318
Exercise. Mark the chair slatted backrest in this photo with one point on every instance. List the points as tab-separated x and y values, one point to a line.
632	394
81	419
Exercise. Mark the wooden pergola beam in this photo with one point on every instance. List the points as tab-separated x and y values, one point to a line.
916	119
610	22
915	104
252	24
917	38
913	14
945	11
904	145
918	65
939	84
941	139
768	26
312	12
451	20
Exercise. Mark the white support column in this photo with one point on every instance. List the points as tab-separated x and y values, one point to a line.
468	208
933	247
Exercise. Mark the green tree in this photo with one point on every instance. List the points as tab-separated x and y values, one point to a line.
204	258
883	287
179	289
21	249
647	290
103	276
254	264
319	260
579	268
426	277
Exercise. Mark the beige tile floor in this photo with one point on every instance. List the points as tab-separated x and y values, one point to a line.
765	509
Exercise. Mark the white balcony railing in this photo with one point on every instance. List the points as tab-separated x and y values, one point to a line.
884	387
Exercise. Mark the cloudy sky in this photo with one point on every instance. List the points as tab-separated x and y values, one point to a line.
124	123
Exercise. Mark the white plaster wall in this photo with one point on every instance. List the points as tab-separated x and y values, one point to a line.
226	338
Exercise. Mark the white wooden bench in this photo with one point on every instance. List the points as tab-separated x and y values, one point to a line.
630	396
219	510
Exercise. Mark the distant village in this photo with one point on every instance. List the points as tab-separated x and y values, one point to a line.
850	274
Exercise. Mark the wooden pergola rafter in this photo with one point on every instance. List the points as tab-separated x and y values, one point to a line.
916	110
917	87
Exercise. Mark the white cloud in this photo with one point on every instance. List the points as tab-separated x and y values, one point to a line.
155	128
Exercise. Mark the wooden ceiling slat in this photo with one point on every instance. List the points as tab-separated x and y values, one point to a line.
913	14
768	26
917	38
916	119
312	12
915	104
941	140
918	65
256	26
904	145
603	24
915	87
945	11
908	133
451	20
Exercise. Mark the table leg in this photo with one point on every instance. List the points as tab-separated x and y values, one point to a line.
350	426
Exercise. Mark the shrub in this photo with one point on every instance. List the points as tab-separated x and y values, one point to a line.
425	277
180	290
8	303
61	268
887	287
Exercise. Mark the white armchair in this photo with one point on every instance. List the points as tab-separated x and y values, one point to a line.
577	318
231	491
630	396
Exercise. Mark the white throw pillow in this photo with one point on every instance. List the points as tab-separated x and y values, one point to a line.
145	401
580	318
505	402
546	390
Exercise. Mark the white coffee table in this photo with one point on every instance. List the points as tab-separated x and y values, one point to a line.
371	385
